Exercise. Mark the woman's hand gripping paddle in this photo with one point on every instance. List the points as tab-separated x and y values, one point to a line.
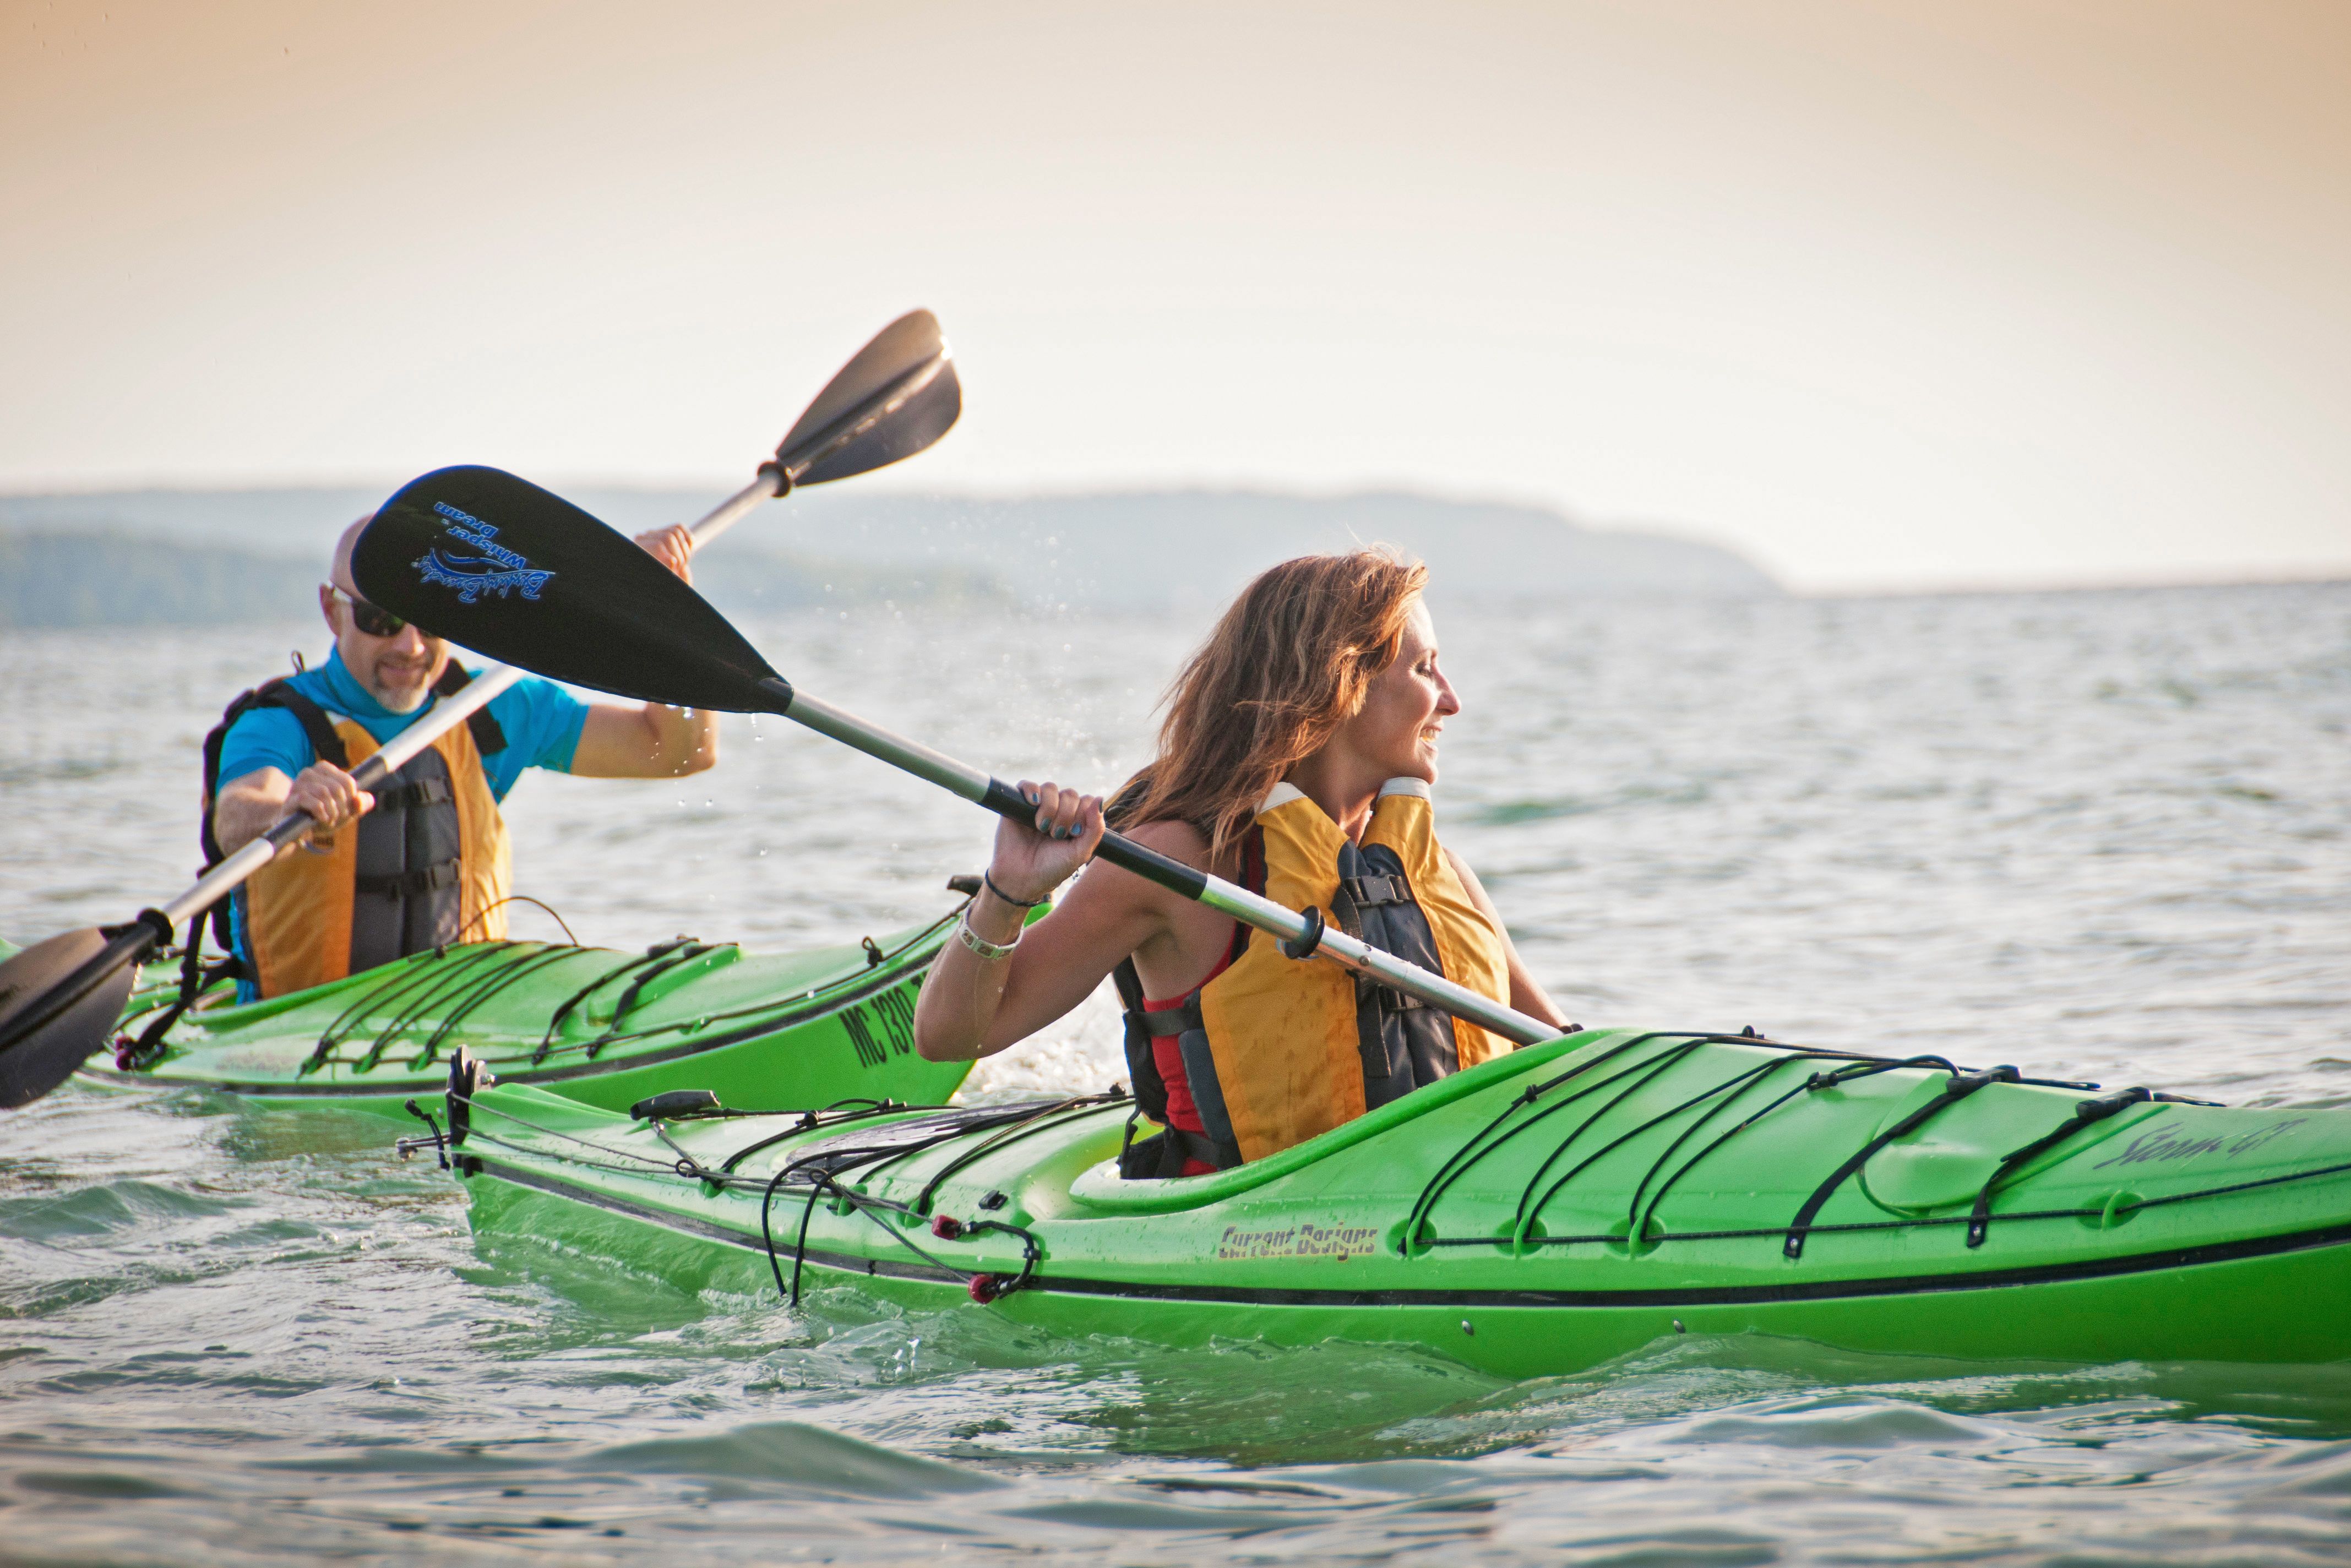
59	998
494	563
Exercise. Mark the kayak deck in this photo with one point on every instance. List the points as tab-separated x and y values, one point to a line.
1539	1212
592	1023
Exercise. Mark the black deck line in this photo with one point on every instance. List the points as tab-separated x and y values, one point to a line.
1729	1295
542	1075
847	1262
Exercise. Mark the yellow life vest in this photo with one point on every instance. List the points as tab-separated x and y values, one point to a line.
298	912
1275	1050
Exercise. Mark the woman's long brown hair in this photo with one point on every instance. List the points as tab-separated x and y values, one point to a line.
1286	664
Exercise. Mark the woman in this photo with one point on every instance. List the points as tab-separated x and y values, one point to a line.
1295	759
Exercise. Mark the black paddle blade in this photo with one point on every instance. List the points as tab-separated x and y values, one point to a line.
895	398
495	563
38	1053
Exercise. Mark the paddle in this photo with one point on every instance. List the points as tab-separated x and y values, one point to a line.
574	599
59	998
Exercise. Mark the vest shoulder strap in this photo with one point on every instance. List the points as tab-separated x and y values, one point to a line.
316	727
488	735
1142	1069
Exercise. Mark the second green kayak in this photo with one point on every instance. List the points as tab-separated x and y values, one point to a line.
598	1026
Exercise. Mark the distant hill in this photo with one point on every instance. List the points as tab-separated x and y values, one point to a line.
60	580
198	555
1195	547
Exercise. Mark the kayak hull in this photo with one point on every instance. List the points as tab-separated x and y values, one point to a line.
2225	1310
2230	1241
605	1028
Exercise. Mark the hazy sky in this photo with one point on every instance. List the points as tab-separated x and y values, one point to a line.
1909	294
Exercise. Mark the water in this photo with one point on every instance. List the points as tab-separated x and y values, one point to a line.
2102	835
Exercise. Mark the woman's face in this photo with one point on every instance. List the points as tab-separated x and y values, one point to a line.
1405	706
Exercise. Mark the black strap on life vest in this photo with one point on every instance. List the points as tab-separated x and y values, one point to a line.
410	796
1379	893
489	737
407	884
1166	1153
1404	1043
316	727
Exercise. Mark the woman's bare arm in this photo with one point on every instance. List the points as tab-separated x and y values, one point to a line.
973	1005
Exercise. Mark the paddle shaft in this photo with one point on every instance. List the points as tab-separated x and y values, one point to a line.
1223	896
738	505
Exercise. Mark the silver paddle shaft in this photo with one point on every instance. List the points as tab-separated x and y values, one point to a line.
1276	920
735	507
777	478
448	715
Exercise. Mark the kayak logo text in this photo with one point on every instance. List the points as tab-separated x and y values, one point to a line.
1301	1241
2170	1143
496	570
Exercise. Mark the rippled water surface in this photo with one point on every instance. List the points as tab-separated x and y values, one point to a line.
2102	835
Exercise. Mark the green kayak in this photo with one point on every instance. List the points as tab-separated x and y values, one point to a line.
1538	1214
593	1024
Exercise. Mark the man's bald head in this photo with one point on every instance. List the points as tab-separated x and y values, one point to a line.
339	573
397	669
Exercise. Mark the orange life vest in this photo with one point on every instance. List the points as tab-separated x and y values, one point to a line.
299	909
1275	1050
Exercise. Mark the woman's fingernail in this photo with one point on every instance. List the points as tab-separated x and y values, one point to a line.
1030	796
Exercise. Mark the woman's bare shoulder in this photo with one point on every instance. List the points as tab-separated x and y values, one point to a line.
1179	841
1175	840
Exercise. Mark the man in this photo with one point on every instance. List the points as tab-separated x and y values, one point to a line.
423	861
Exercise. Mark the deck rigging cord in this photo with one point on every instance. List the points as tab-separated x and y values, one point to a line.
538	903
1640	1219
865	1138
820	1167
431	996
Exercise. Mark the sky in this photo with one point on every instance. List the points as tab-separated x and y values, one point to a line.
1916	295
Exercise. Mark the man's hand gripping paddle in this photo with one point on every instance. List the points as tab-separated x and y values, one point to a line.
568	597
59	998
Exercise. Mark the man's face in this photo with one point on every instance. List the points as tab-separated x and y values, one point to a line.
398	669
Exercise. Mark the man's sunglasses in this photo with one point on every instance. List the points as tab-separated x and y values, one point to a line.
367	617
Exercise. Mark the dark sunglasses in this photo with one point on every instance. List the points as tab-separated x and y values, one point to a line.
367	617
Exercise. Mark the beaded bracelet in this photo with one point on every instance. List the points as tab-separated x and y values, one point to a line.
1016	903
